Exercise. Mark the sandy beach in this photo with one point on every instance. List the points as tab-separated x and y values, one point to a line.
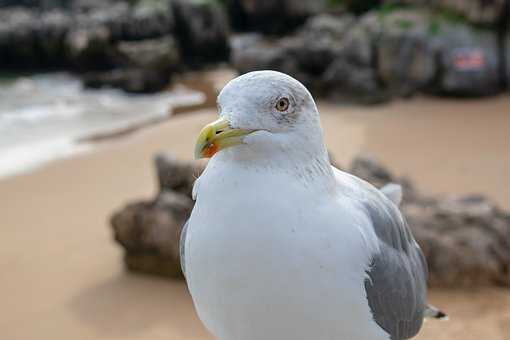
62	275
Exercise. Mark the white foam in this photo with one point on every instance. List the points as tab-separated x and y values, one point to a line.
27	157
41	116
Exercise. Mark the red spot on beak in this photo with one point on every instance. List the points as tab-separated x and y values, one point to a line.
210	150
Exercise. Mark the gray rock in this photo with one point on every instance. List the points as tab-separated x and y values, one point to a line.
160	54
149	232
350	82
476	11
202	29
465	239
406	52
133	80
469	62
90	48
31	40
323	55
174	175
273	17
506	55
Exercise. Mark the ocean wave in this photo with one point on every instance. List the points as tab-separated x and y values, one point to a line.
26	157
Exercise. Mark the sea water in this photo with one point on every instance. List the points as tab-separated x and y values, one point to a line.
42	116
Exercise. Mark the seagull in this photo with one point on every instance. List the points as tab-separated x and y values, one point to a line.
281	245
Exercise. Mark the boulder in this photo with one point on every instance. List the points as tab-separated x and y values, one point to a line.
32	40
160	54
485	12
406	52
90	48
469	62
252	52
466	239
202	29
150	233
506	55
174	175
275	17
132	80
327	55
347	81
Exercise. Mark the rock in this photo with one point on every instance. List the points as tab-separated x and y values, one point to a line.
42	4
90	48
32	40
273	17
349	82
469	62
149	19
361	6
465	239
176	176
321	41
202	30
150	233
476	11
133	80
251	52
406	52
506	56
161	54
325	55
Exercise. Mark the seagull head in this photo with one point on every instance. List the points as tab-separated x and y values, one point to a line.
261	112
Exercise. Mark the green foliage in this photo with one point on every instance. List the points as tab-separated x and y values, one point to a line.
336	3
404	24
449	16
434	27
440	17
387	8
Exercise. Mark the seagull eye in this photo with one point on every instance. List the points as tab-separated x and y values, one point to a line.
282	104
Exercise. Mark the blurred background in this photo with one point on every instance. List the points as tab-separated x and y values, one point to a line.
101	101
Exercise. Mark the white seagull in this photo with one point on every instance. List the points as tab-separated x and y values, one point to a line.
281	245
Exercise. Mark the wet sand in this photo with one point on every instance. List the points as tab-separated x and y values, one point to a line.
62	275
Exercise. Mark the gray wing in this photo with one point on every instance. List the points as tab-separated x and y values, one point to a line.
182	247
396	280
396	283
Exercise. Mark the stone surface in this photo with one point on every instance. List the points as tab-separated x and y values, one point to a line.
134	45
142	66
469	62
202	29
466	239
275	17
381	55
406	52
476	11
149	232
133	80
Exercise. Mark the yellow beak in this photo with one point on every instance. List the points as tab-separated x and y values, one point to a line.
217	136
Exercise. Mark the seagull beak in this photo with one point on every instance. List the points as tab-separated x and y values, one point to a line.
217	136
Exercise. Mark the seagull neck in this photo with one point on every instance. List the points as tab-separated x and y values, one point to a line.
302	158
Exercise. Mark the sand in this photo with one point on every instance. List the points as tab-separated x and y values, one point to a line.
62	274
